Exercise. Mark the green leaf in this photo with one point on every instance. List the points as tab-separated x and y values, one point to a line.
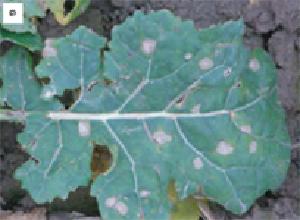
25	34
213	112
82	71
59	163
58	9
223	33
32	8
171	104
20	89
31	41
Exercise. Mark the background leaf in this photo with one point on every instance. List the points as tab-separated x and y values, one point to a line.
58	9
31	41
182	209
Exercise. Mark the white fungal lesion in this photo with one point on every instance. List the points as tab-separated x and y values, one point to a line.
206	63
49	50
188	56
254	65
121	208
224	148
196	108
246	129
148	46
144	193
48	93
252	147
197	163
227	72
84	128
110	202
160	137
118	206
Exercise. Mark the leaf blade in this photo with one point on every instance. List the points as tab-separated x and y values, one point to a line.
181	105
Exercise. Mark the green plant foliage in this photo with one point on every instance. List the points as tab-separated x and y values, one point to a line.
32	8
80	71
171	104
26	34
31	41
58	9
20	89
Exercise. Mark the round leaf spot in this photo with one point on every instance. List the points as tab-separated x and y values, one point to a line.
144	193
84	128
246	129
121	208
224	148
206	63
110	202
254	65
188	56
196	109
148	46
227	72
161	137
197	163
252	147
48	93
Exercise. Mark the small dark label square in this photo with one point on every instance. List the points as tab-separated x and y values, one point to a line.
12	12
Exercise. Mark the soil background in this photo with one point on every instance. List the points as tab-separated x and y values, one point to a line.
271	24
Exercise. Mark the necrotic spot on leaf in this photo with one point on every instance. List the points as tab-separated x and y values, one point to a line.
254	65
110	202
160	137
196	109
188	56
144	193
237	84
252	147
121	208
197	163
246	129
227	72
180	102
48	93
232	115
224	148
148	46
84	128
206	63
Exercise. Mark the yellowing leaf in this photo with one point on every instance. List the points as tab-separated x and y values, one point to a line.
58	9
186	209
